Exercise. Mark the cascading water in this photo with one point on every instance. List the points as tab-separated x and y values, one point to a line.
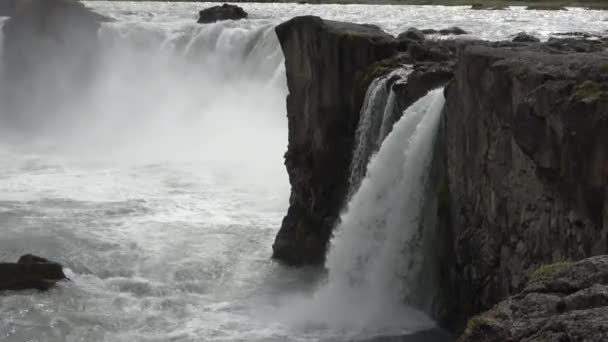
375	255
374	123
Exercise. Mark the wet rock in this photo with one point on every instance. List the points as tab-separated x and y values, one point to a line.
412	34
524	37
445	32
219	13
30	272
546	7
454	30
562	302
481	6
322	59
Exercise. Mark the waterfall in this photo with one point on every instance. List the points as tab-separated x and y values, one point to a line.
376	254
177	89
375	123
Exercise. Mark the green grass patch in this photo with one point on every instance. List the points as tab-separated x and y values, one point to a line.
548	270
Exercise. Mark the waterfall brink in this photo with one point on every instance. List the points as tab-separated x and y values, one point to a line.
375	253
375	123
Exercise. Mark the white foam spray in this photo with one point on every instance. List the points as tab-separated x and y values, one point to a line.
374	254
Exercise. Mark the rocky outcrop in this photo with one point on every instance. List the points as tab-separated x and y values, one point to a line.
329	67
562	302
219	13
30	273
322	59
521	162
524	37
527	164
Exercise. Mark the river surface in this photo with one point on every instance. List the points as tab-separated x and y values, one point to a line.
161	187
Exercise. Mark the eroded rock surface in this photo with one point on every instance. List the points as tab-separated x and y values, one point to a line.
562	302
527	164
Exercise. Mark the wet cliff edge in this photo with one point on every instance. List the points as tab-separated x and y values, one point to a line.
522	159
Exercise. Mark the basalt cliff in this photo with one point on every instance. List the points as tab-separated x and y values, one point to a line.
520	167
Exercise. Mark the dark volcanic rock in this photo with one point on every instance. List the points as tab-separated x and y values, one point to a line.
322	59
412	34
480	6
562	302
223	12
445	32
523	37
454	30
526	131
30	272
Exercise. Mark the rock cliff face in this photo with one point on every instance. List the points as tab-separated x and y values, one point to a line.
527	165
322	59
329	66
521	165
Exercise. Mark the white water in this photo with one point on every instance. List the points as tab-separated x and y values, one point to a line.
372	257
162	186
374	124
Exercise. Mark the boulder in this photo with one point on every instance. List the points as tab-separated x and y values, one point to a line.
481	6
454	30
562	302
445	32
546	7
412	33
30	272
219	13
523	37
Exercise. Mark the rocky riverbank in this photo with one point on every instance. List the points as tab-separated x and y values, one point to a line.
522	150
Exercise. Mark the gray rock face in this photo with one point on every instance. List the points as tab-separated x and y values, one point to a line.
329	66
30	273
322	59
526	154
219	13
562	302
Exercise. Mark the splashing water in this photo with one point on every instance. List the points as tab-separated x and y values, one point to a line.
373	255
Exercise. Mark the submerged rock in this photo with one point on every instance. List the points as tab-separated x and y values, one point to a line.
524	37
412	33
454	30
562	302
219	13
30	272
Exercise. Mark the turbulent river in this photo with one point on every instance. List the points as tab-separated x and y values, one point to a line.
162	187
